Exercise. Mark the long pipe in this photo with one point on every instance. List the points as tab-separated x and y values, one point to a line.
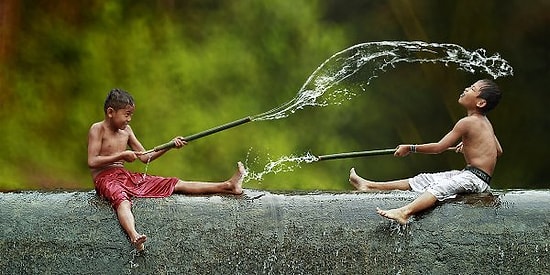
357	154
172	144
363	154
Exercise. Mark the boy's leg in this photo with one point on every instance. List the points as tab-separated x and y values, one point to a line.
126	220
364	185
230	186
402	215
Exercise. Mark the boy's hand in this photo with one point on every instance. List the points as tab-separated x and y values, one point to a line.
128	155
179	142
458	147
402	150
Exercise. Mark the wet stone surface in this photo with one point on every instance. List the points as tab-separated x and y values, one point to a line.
276	233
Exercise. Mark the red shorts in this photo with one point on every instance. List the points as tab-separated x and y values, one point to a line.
118	184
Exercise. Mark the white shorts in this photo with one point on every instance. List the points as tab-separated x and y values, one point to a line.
446	185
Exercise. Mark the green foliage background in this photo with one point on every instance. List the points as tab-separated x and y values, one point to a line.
193	65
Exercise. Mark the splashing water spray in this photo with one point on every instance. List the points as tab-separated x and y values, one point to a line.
327	86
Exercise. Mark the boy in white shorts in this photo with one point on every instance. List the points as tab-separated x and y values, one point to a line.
478	144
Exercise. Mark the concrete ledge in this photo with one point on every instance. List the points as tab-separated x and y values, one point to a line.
269	233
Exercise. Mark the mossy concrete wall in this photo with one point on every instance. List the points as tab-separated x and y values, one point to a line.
269	233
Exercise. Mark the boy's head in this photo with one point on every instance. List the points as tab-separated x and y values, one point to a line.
118	99
489	91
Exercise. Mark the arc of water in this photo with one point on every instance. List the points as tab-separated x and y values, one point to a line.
379	57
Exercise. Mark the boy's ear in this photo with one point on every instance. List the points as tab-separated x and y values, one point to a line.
110	112
481	103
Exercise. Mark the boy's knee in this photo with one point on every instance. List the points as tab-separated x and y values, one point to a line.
121	198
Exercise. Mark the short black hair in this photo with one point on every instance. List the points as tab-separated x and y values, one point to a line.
489	91
118	99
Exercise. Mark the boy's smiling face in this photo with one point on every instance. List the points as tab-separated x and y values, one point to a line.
120	118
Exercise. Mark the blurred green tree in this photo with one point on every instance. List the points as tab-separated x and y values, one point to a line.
194	64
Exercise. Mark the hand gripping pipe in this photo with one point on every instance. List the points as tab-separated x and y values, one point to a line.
220	128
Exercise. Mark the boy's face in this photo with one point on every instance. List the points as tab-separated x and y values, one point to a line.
470	96
120	118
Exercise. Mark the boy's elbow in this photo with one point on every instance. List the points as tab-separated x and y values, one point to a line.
92	164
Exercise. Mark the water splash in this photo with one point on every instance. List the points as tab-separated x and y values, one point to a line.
283	164
150	155
134	254
331	83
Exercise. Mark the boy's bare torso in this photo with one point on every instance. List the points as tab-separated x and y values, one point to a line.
480	146
110	143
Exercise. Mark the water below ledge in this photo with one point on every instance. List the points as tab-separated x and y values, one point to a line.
276	233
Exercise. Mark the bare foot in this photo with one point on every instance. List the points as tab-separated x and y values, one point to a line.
139	241
397	215
234	184
358	182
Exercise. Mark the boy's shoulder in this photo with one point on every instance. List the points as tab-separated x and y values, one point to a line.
473	119
473	123
97	126
468	123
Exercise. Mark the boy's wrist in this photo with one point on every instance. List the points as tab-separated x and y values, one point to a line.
412	148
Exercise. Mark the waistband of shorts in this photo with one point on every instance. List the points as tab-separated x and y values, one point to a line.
108	171
479	173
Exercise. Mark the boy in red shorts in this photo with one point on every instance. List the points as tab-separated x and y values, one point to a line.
108	143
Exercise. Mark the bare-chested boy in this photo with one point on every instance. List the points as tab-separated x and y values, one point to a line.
479	146
108	143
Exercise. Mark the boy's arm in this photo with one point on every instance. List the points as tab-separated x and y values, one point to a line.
436	147
134	143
